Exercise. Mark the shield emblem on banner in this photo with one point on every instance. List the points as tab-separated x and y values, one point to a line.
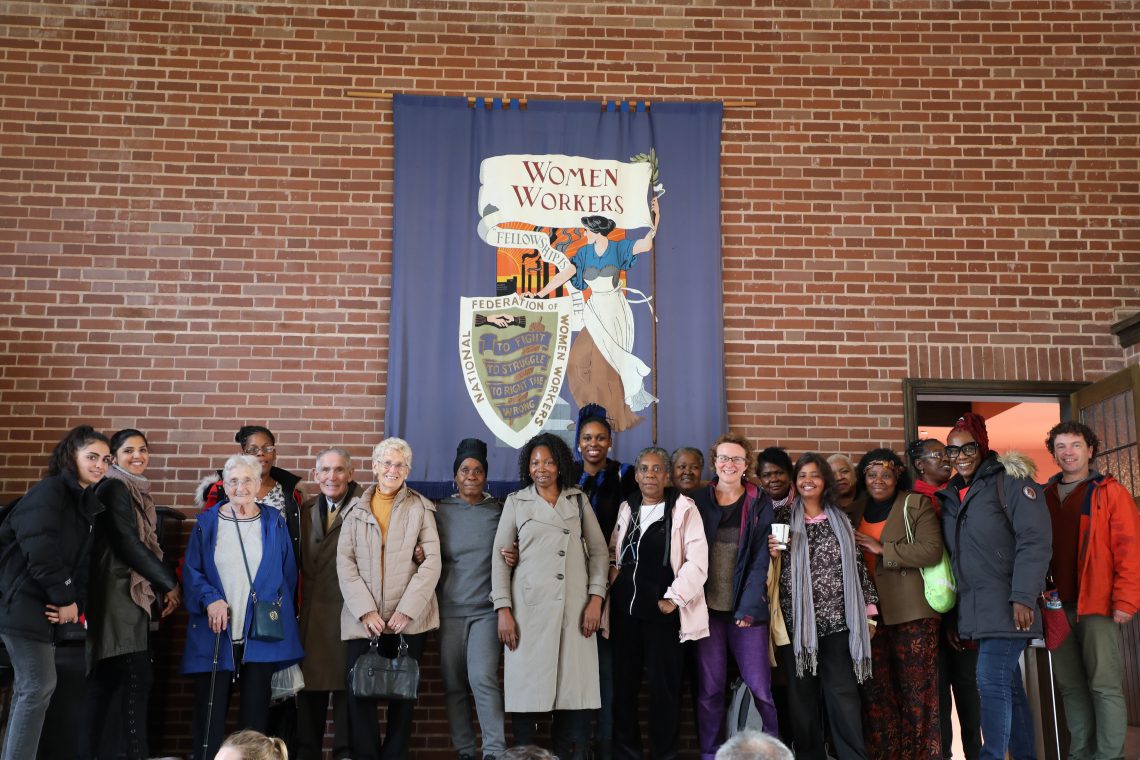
513	353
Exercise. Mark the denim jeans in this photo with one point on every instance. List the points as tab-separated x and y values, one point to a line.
33	664
1006	720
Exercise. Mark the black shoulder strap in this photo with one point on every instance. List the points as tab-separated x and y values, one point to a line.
671	496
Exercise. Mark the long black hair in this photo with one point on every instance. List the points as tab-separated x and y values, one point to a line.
63	455
562	459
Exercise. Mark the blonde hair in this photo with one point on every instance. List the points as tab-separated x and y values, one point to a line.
254	745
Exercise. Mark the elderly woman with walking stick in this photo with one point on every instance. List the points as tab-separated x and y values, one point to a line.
239	578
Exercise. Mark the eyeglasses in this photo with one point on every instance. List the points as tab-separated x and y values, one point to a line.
966	450
387	466
936	455
722	459
255	450
235	483
657	469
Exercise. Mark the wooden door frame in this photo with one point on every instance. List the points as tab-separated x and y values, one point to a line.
979	389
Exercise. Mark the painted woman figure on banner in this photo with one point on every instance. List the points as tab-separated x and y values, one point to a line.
598	265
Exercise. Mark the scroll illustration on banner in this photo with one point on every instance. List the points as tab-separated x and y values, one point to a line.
566	230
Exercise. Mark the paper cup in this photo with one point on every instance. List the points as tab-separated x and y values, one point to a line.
781	531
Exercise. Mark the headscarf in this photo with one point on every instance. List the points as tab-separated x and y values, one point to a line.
804	635
975	425
146	520
470	448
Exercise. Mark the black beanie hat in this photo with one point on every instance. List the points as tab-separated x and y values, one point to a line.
470	448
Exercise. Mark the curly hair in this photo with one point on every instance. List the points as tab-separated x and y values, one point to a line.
814	457
63	455
653	451
600	224
883	455
392	443
562	459
739	440
777	456
1073	428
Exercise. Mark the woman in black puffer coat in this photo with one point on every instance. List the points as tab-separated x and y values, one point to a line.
45	550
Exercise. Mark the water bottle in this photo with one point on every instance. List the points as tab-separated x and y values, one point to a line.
1052	600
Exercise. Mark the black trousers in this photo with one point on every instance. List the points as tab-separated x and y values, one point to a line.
835	683
363	728
958	670
254	693
312	712
131	675
569	731
637	643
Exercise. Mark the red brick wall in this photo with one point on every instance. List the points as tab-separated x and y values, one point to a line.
194	218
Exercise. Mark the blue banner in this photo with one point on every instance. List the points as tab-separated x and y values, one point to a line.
548	258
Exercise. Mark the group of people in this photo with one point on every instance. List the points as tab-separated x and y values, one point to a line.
591	578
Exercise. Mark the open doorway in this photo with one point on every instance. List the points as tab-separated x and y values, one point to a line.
1013	423
1018	417
1018	414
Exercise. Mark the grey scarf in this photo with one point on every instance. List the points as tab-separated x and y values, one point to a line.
804	637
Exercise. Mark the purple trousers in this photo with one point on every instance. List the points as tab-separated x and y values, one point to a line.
749	647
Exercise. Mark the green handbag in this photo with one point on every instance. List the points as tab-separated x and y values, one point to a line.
938	579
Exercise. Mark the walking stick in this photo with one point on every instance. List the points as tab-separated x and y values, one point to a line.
210	704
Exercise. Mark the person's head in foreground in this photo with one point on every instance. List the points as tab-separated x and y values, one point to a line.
526	752
252	745
754	745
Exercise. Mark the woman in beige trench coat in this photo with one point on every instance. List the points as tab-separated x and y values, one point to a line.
550	606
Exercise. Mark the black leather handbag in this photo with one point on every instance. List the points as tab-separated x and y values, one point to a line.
265	624
375	676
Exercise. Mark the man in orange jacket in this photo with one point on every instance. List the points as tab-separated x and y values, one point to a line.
1096	566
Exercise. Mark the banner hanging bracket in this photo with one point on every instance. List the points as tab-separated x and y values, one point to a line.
488	103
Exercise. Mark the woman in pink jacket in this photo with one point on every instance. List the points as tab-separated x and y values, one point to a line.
658	566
